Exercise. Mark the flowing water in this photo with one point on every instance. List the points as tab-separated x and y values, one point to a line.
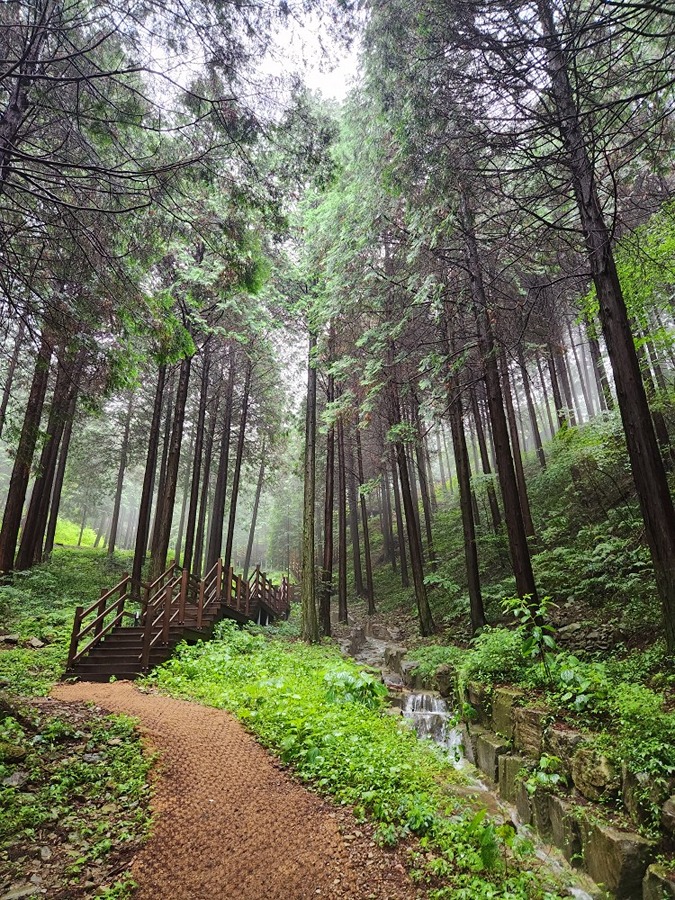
431	718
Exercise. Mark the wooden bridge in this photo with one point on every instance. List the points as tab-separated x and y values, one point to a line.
123	636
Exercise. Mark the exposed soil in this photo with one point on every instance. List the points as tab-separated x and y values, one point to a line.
231	823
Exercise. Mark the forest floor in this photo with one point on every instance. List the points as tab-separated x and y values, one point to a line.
229	821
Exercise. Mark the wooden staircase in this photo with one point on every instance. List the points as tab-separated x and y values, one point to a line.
122	636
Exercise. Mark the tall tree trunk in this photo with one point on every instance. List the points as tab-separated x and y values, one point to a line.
158	561
580	372
354	521
388	517
197	465
370	589
447	458
143	527
560	410
426	504
9	377
204	500
400	534
154	547
256	507
327	567
32	532
439	454
342	523
23	460
477	611
600	373
649	473
124	452
520	552
431	487
236	478
215	542
564	382
544	391
310	623
184	501
83	524
59	476
532	413
515	444
485	461
414	543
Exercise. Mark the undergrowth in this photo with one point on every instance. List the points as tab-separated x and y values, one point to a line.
324	717
75	784
40	603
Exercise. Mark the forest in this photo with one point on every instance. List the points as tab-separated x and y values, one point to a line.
362	396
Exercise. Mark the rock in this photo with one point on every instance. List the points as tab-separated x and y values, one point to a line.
510	766
561	741
20	890
568	630
380	632
479	697
91	757
16	779
658	884
45	854
489	748
470	741
444	677
539	805
35	643
640	793
503	701
523	804
11	753
565	832
10	638
529	725
393	656
616	859
668	815
409	674
593	774
391	680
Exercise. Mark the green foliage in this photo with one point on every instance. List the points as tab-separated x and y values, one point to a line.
538	640
547	776
322	715
496	656
40	603
84	775
345	687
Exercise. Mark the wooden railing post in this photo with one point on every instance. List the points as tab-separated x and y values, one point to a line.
183	596
200	603
147	639
228	588
75	636
219	581
124	587
168	597
100	609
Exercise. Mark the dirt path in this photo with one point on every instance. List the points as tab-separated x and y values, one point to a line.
231	824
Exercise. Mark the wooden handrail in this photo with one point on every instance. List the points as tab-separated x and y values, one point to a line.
166	602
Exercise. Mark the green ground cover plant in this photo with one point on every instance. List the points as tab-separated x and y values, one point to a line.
73	786
633	724
40	604
323	716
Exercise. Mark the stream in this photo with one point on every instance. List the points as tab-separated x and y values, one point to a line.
432	719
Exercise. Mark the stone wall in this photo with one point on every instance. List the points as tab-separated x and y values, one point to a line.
506	737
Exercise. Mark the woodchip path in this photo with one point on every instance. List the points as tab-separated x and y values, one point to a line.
231	823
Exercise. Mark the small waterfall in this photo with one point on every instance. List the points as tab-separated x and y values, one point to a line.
432	719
